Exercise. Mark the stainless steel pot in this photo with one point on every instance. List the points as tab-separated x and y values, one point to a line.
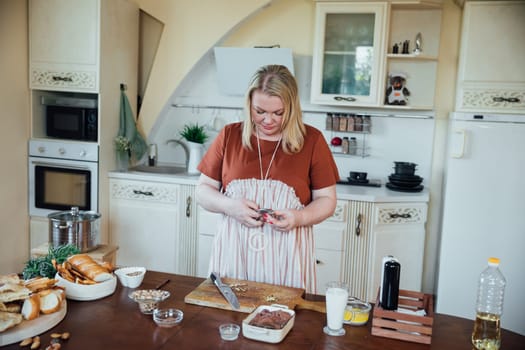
81	228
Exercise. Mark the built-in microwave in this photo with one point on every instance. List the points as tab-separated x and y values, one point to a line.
71	118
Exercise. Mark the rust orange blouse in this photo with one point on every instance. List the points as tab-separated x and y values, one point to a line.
311	169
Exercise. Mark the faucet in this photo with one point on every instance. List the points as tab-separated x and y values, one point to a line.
184	146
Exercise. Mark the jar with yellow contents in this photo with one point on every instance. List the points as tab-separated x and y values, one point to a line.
357	312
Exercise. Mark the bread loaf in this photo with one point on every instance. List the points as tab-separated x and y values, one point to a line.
49	302
84	264
31	307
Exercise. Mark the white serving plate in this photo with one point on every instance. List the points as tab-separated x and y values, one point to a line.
28	329
87	292
265	334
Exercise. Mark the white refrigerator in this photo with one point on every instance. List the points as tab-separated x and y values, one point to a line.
483	213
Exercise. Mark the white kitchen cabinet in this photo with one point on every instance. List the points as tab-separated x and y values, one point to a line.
357	248
421	68
329	249
64	44
491	73
398	230
144	219
353	44
348	57
207	224
85	48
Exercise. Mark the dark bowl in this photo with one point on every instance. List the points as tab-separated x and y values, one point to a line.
407	178
357	176
405	168
405	184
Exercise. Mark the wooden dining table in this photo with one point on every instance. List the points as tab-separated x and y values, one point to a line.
115	322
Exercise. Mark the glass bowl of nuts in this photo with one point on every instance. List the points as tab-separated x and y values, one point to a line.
149	299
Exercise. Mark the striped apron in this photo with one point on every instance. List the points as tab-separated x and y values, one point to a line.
262	254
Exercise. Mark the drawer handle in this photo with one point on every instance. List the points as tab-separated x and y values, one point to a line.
403	216
341	98
188	206
358	228
503	99
318	262
144	193
58	78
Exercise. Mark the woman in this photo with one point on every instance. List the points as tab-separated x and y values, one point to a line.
274	161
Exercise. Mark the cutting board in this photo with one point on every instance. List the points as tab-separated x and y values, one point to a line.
251	295
28	329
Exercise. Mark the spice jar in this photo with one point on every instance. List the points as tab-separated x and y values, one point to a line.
335	122
350	123
342	122
352	146
367	123
358	126
346	145
328	125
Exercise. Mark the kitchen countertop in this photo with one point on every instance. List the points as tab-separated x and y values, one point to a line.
115	322
344	192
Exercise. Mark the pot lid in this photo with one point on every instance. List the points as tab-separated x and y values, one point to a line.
74	215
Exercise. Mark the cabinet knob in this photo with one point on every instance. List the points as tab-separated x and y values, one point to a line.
358	227
188	206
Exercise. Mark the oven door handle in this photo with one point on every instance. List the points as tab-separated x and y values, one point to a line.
56	165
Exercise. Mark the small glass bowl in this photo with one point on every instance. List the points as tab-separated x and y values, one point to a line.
229	331
167	317
357	312
149	299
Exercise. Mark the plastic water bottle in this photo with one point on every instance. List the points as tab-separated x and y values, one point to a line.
489	307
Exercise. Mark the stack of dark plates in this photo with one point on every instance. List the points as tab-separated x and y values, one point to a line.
404	178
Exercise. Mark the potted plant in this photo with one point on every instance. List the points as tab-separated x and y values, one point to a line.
195	135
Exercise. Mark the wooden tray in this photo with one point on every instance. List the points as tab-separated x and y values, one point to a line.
397	325
28	329
251	295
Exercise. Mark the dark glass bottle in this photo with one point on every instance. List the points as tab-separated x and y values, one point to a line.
390	284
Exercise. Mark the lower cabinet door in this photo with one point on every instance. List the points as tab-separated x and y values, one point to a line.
328	263
144	224
399	230
207	227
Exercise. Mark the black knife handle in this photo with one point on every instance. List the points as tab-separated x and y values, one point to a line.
215	278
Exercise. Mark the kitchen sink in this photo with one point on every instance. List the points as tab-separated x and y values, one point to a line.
158	169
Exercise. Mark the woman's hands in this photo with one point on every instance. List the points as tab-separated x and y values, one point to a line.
244	211
284	220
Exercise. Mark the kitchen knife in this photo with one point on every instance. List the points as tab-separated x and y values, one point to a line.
225	290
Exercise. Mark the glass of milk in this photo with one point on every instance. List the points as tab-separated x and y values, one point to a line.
336	299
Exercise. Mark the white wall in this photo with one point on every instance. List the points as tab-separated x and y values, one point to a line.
14	99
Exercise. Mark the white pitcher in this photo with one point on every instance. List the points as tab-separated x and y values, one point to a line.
196	151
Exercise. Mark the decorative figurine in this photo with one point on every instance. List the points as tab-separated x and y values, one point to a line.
406	43
395	49
397	93
419	42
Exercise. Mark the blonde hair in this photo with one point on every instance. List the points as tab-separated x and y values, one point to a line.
276	80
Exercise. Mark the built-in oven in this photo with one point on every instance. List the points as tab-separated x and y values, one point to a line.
62	174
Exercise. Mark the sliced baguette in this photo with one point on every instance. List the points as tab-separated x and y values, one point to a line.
84	264
49	303
60	293
31	307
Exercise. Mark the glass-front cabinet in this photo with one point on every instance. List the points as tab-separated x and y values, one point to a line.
349	50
